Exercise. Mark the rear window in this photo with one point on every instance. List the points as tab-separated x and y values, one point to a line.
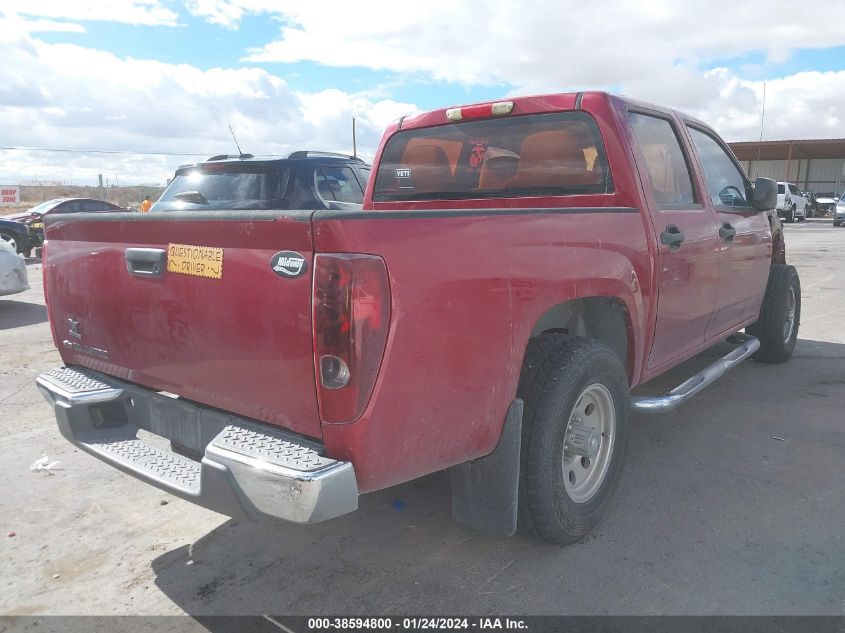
224	186
534	155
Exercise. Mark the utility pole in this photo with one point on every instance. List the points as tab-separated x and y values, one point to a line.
354	143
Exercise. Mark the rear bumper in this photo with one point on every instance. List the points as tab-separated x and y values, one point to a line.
246	469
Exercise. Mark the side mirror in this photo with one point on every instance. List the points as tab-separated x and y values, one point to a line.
35	214
765	194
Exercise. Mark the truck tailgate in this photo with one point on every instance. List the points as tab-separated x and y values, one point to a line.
235	334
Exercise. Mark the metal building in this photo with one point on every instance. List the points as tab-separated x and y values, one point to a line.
814	165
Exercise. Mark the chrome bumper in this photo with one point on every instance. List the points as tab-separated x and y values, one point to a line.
246	469
687	389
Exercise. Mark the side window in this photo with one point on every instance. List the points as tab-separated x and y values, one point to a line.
726	184
338	184
73	206
364	172
667	168
93	205
794	190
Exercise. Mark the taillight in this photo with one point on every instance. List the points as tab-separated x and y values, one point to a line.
351	317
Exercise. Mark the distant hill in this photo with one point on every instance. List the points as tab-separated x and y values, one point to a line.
122	196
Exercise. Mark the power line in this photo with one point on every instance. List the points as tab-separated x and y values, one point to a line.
121	151
98	151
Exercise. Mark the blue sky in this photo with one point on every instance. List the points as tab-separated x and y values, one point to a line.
168	76
225	48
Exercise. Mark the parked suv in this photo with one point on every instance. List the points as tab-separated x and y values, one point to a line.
302	180
791	202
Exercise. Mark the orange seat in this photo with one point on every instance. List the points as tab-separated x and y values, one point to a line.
552	159
430	169
496	171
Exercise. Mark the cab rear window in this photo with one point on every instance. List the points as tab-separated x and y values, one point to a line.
224	186
533	155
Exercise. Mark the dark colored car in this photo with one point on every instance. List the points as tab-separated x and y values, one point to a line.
302	180
33	219
14	233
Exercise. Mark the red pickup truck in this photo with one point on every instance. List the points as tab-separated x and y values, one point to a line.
517	268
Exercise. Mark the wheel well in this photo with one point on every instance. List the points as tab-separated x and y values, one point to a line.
602	318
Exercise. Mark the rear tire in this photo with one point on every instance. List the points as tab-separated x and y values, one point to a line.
576	401
780	316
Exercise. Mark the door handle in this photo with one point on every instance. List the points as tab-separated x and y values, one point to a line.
727	232
146	262
672	237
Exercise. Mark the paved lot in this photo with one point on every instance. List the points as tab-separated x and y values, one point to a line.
713	515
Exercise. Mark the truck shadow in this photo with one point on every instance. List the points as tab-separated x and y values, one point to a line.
19	313
737	488
378	559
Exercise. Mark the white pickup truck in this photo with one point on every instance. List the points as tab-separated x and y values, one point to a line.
792	203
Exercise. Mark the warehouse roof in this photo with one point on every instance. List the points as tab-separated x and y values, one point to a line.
795	149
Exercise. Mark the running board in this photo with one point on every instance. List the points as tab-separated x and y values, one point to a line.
687	389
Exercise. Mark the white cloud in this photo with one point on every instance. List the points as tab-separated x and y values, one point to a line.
67	96
656	50
148	12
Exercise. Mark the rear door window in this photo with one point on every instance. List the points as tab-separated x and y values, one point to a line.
665	162
559	153
72	206
338	184
95	205
225	186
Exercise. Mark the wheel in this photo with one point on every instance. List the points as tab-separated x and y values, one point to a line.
790	215
780	316
9	239
835	223
803	217
575	434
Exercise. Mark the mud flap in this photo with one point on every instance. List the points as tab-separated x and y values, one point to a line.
485	491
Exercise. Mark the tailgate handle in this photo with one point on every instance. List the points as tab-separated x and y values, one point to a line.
146	262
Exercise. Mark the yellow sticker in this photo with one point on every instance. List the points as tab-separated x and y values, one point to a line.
200	261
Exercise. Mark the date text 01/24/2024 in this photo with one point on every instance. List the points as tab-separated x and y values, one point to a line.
416	624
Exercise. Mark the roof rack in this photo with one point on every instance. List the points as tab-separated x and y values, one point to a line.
312	153
228	156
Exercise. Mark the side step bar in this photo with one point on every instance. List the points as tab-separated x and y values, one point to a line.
687	389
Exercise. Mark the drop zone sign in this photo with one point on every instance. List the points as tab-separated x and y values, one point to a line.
9	196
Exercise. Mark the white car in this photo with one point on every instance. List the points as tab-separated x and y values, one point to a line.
791	202
839	211
13	277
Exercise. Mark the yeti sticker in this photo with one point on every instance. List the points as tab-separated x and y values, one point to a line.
288	264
